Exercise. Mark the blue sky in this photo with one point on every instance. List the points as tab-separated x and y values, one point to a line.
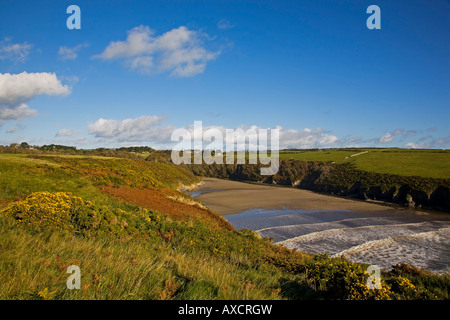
136	70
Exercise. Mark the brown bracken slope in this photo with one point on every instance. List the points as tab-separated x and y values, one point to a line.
174	204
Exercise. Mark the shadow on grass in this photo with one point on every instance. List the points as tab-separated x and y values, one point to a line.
296	290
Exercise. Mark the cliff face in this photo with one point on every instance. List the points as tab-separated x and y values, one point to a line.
343	180
412	191
405	194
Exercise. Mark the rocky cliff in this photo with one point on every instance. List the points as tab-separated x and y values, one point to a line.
342	180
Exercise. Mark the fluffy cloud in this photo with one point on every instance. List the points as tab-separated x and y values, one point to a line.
288	138
17	89
142	129
428	142
70	53
150	129
16	52
416	145
179	51
390	136
306	138
405	138
19	112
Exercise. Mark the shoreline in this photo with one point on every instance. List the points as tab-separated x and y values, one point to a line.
314	223
376	202
279	197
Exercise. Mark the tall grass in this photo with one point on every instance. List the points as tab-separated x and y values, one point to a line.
129	252
114	269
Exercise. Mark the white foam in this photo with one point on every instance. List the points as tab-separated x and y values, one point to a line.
333	241
285	232
427	250
382	238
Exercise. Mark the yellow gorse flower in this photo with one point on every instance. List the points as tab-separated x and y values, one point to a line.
45	208
46	294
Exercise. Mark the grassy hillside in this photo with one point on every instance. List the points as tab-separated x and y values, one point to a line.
404	162
134	236
23	174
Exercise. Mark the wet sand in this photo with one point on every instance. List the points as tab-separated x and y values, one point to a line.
236	197
365	232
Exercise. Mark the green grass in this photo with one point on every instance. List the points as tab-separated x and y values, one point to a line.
404	162
23	158
136	262
21	176
113	269
317	155
128	252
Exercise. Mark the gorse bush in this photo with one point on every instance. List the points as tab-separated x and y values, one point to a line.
338	278
341	279
63	211
42	209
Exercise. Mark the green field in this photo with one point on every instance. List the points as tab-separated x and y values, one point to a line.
405	162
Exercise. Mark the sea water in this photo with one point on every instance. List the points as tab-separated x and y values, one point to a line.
418	238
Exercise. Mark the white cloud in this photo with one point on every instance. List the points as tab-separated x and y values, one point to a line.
141	63
70	53
16	52
19	112
65	133
142	129
390	136
428	142
306	138
179	51
66	53
288	138
415	145
149	129
17	89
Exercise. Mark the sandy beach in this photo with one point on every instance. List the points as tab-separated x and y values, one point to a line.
314	223
235	197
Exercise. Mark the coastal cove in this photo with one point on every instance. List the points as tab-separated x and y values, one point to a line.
314	223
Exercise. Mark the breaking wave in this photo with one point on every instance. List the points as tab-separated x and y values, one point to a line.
381	239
